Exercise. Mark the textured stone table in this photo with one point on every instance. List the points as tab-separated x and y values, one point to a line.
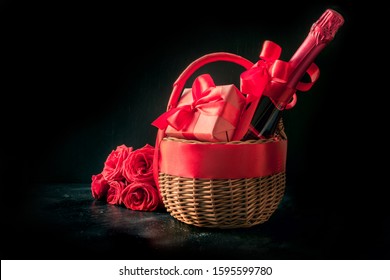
63	221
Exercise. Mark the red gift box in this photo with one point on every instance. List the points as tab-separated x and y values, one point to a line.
206	112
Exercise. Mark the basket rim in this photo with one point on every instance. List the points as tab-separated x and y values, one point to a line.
279	135
258	141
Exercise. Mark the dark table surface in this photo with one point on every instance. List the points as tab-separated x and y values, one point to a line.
63	221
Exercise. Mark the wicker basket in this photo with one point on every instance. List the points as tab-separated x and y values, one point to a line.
222	203
216	201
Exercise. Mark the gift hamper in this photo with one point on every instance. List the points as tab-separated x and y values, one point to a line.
209	172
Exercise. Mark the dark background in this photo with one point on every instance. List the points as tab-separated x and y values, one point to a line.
81	78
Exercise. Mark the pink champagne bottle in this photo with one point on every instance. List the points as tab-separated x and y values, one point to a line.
269	110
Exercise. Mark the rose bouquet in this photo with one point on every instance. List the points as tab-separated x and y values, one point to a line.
127	179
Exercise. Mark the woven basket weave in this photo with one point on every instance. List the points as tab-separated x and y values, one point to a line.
222	203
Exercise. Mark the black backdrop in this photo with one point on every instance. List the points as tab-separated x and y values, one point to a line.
86	78
82	78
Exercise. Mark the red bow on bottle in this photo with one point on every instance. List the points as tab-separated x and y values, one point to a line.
269	76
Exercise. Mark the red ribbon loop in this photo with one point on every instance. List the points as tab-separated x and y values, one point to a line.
314	72
270	51
201	85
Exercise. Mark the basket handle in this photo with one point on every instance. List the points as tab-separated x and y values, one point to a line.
179	84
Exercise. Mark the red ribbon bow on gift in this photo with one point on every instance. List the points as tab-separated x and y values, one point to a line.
204	100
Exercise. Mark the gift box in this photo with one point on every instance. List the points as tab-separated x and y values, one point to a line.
206	112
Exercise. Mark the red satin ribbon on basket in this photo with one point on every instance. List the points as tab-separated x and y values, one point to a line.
222	161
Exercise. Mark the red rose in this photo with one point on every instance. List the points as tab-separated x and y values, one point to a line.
114	192
138	167
99	186
141	196
127	179
113	166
